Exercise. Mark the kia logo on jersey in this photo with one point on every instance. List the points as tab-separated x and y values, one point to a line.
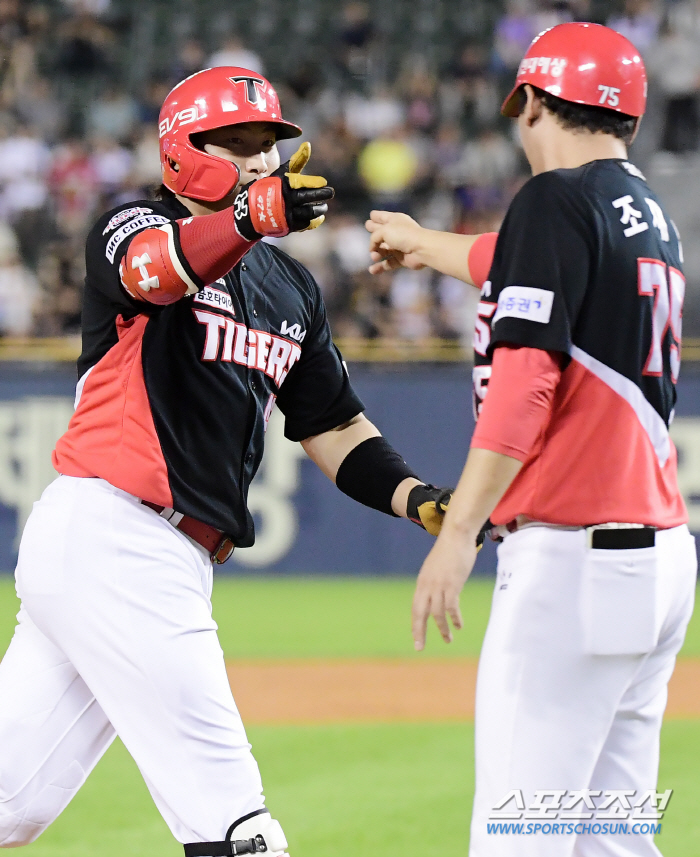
293	332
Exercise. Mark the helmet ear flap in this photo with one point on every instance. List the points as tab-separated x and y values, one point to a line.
177	165
198	174
211	178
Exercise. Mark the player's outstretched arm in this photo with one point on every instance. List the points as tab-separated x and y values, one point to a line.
365	467
397	241
163	264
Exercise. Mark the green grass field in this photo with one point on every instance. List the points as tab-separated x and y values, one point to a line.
380	789
283	617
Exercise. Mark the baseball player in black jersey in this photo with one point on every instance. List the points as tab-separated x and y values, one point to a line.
193	329
576	356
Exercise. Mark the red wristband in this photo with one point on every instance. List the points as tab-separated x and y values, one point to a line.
266	205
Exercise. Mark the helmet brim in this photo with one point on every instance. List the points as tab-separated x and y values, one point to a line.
286	130
511	105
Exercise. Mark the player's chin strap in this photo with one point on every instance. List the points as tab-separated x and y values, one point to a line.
256	832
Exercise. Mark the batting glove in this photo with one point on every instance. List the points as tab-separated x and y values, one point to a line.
427	506
284	202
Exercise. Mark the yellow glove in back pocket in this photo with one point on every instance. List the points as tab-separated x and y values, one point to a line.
618	601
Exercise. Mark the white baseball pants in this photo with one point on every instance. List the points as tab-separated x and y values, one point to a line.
116	637
550	714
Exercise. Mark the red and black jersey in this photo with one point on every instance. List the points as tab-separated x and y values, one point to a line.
173	401
588	263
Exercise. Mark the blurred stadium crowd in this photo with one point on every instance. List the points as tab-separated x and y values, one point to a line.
399	99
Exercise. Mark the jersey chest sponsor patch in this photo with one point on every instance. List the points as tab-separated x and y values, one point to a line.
129	229
525	302
216	298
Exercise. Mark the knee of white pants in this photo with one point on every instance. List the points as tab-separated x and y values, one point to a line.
15	831
26	812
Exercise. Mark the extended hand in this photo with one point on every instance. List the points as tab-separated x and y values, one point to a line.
394	241
287	201
305	196
440	581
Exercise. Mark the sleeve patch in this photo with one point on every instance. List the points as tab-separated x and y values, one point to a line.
525	302
122	216
128	229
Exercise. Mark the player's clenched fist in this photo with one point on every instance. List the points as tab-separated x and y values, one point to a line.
287	201
395	241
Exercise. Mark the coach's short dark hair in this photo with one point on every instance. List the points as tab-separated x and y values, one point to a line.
584	117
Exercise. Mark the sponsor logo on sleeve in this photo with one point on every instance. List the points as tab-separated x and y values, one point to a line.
122	216
128	229
209	296
525	302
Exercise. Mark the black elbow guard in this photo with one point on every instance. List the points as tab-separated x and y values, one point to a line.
371	472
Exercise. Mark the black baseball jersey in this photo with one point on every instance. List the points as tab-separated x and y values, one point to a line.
174	400
587	263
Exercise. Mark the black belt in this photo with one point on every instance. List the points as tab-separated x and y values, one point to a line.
622	538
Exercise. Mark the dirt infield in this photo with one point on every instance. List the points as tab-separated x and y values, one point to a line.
317	691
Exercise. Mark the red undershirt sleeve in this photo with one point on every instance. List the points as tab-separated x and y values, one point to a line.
211	244
518	404
480	257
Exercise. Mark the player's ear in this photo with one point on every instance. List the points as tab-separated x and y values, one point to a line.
533	107
631	140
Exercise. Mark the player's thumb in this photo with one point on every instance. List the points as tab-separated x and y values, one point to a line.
297	181
300	158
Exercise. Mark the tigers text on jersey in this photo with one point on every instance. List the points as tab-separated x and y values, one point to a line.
173	401
587	263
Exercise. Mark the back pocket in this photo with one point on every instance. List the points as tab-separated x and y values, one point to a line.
618	601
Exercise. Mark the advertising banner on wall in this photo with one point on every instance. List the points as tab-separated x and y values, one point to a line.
303	523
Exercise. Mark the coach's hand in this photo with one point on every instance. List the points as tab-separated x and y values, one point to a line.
395	241
440	581
287	201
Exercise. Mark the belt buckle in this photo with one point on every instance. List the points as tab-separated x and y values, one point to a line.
223	551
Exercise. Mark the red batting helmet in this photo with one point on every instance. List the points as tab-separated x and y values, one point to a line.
586	64
211	99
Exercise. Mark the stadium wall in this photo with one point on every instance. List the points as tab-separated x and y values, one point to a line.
304	524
